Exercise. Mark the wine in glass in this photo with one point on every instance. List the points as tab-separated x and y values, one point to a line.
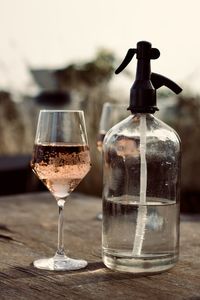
61	159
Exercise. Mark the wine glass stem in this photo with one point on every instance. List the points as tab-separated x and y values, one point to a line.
60	250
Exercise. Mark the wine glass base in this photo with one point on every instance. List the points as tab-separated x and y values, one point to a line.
60	264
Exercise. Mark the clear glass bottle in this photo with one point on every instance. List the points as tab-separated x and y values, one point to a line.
141	195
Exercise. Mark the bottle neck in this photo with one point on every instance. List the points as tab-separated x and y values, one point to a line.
143	69
142	93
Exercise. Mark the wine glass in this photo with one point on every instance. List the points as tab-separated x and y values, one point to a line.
61	159
112	113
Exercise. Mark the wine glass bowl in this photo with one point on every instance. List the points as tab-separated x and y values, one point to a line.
61	167
61	159
112	113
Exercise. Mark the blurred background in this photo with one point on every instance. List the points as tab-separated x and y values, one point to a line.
62	54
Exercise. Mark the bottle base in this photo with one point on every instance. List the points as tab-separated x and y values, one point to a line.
143	264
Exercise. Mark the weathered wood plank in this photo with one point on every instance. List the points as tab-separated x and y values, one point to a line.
28	230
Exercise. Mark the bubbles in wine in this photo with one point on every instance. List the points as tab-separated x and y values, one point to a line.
61	167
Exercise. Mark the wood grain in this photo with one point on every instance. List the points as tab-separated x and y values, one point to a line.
28	230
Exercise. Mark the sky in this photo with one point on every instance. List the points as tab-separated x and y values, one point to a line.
53	33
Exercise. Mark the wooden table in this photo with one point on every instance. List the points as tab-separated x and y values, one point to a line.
28	230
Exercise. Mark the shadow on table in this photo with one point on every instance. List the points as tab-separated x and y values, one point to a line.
95	271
